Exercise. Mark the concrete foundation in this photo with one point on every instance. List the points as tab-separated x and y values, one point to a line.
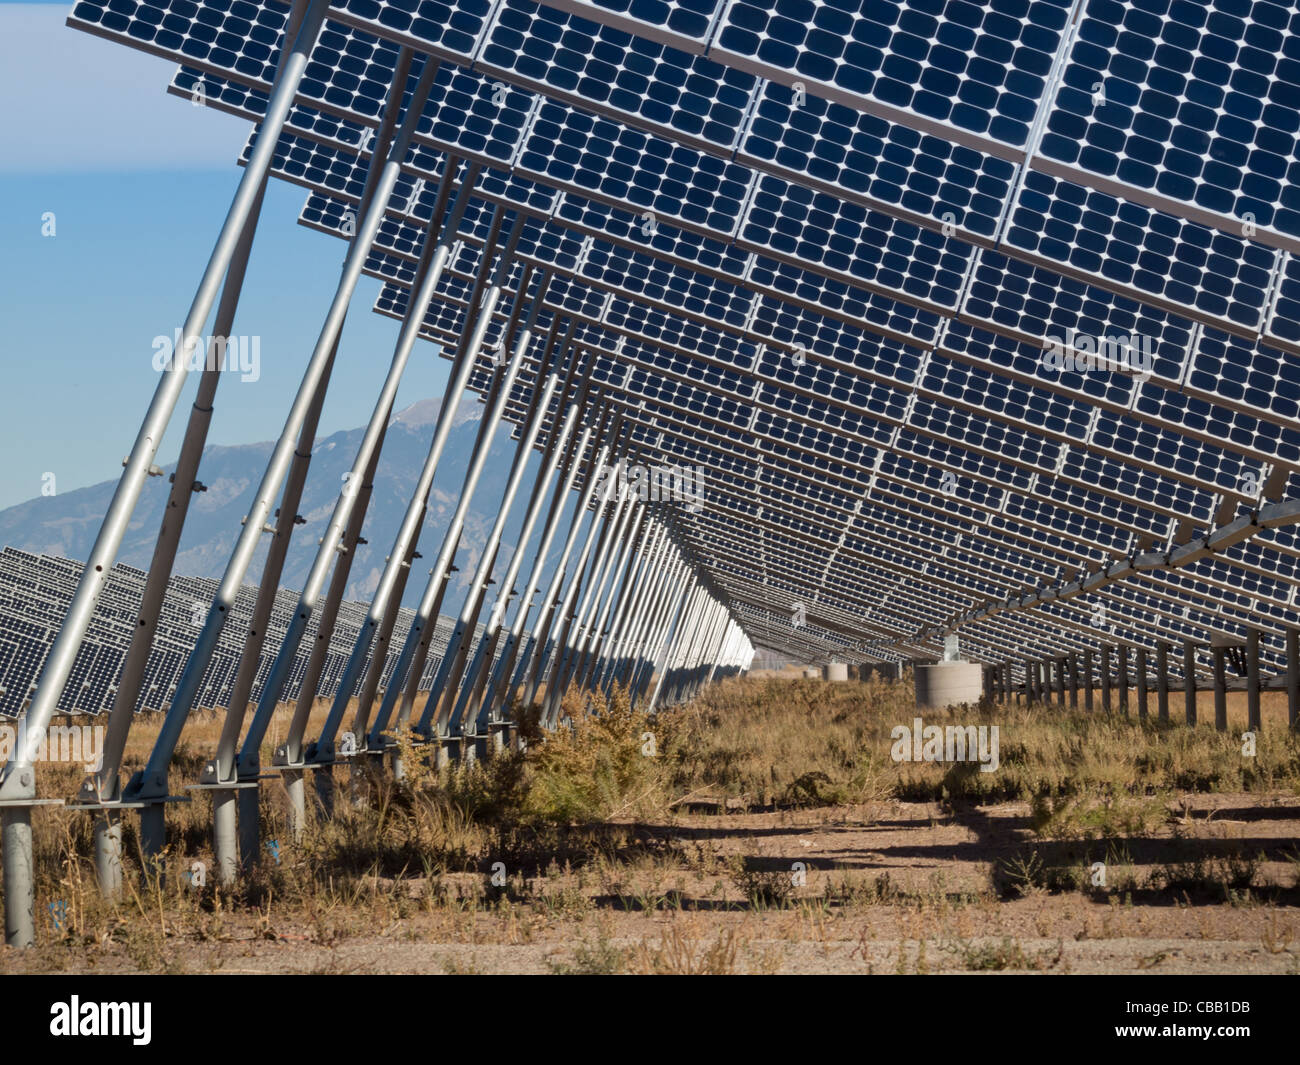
947	684
837	671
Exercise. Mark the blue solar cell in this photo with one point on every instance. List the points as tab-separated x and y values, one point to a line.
1187	265
449	28
859	155
1192	101
980	67
606	69
1266	431
815	228
1192	460
1048	307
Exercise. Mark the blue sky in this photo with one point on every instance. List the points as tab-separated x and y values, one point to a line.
139	183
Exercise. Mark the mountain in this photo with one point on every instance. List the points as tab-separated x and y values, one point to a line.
66	524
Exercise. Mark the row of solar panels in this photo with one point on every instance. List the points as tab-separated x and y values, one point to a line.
1225	616
347	76
35	591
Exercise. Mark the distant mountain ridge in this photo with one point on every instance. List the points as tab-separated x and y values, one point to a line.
66	524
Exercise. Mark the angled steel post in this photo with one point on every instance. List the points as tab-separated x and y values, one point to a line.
654	657
612	551
1121	677
292	779
635	598
437	248
616	657
591	618
689	648
360	724
1254	720
248	762
404	685
18	780
640	660
692	594
500	688
1293	677
223	799
679	662
641	655
1220	690
471	709
219	771
440	708
1105	678
633	608
151	784
575	610
290	753
101	791
440	704
555	605
1140	678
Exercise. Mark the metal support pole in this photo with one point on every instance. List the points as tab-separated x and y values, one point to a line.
613	582
404	684
499	689
553	609
1162	682
572	621
108	851
224	845
692	595
621	656
1087	681
1254	721
1105	679
105	784
446	685
151	783
17	780
433	258
1220	691
20	885
379	652
408	532
475	709
1293	678
654	656
1121	677
634	673
1140	667
58	664
626	603
1189	681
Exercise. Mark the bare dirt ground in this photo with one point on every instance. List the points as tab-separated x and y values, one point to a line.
887	888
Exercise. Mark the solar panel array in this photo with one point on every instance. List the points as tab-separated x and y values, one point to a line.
35	591
821	250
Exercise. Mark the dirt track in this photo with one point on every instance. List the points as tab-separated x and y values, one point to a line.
909	889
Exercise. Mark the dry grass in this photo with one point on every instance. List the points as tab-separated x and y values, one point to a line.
804	742
584	822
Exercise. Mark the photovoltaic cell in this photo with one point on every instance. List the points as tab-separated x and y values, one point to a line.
1193	100
977	67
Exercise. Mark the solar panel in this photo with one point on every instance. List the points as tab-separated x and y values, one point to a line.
704	179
